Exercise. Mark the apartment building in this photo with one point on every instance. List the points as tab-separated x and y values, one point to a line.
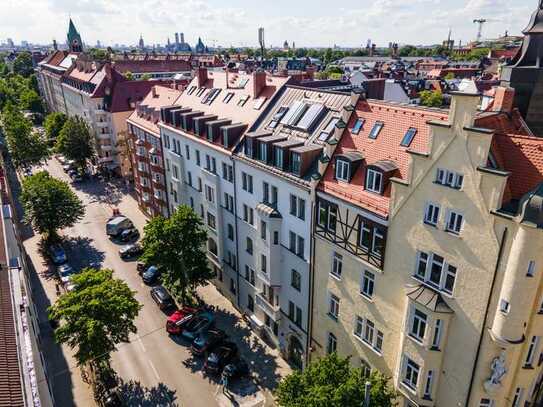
427	265
49	74
157	66
146	152
277	168
198	137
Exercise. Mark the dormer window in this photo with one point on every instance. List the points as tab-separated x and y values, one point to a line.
263	152
327	131
408	137
249	148
278	158
277	117
296	163
376	129
374	180
343	170
358	125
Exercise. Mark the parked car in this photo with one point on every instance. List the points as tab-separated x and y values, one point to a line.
141	267
198	325
69	165
177	321
130	251
162	297
151	275
61	159
222	355
116	225
65	271
236	369
129	234
57	253
206	341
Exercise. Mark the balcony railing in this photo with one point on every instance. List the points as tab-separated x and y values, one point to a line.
272	310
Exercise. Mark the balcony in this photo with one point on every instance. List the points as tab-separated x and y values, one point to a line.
103	136
104	160
101	124
274	311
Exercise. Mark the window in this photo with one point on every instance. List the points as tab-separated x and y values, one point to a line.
228	202
408	137
296	244
504	306
189	176
436	340
275	237
211	222
263	263
449	178
263	230
300	248
454	222
531	269
297	207
227	172
295	313
433	270
263	152
199	184
365	236
333	307
486	403
342	170
365	368
278	157
198	158
376	129
230	232
418	325
242	100
378	242
296	163
411	374
249	275
327	215
247	182
358	125
250	303
228	97
175	172
209	194
232	286
368	284
431	214
248	214
337	265
369	330
329	129
517	397
249	246
365	330
277	117
428	386
331	346
531	351
374	180
295	280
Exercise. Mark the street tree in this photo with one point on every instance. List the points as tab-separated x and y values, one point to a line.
49	204
177	246
22	64
30	100
75	141
53	125
96	315
331	381
431	98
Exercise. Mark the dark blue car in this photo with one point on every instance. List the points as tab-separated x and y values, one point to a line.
151	275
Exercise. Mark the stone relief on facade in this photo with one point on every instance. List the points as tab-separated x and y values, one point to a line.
498	372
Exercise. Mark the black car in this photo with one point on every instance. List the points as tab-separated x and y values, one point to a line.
130	251
151	275
238	368
162	297
207	341
129	234
222	355
141	267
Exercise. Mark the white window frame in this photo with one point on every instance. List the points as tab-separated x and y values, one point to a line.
505	306
337	265
418	325
530	353
486	402
438	329
367	284
373	186
410	369
429	384
447	270
343	170
531	269
431	213
333	306
367	333
517	397
455	225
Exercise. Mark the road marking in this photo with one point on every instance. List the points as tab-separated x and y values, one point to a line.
141	344
154	370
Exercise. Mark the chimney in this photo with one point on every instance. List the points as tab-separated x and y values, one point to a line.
259	82
503	99
153	91
202	76
310	72
372	49
55	46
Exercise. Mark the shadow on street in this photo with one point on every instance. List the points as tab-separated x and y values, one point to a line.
135	394
82	254
102	192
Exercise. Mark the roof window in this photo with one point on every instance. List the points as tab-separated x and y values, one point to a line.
258	103
211	95
242	100
277	117
358	125
311	115
408	137
376	129
200	92
327	131
228	97
191	90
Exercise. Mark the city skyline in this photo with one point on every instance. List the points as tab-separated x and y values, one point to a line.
422	22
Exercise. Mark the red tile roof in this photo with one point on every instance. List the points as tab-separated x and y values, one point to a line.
128	92
397	119
162	97
147	66
503	122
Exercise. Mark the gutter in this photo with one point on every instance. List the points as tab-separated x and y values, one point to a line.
311	283
477	354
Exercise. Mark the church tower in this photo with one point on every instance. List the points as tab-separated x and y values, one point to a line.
74	39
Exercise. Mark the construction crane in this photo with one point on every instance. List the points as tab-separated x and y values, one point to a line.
480	22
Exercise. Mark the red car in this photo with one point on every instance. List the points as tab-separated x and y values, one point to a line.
176	321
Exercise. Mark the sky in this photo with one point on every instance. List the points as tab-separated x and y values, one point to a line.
309	23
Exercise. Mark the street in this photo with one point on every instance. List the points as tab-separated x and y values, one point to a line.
156	369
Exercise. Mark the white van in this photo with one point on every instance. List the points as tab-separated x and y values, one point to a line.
115	226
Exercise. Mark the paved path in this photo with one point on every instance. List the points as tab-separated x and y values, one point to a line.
156	368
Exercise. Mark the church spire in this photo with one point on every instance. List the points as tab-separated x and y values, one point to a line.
74	39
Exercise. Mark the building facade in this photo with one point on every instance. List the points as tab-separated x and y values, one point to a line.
422	251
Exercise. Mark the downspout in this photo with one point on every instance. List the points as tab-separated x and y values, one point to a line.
311	282
236	228
498	261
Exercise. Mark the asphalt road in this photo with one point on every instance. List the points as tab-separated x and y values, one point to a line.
155	369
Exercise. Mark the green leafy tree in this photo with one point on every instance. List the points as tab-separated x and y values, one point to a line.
431	98
30	100
22	64
145	77
96	315
49	204
129	75
97	54
331	382
177	246
26	147
75	141
53	125
449	76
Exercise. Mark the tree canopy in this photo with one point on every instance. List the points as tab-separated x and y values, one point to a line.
333	382
31	100
75	141
431	98
22	64
177	246
49	204
96	315
53	125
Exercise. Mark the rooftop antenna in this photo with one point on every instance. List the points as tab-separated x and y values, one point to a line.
479	22
261	41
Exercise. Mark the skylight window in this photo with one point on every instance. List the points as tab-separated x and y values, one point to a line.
408	137
228	97
277	117
242	100
243	82
258	103
376	129
200	92
327	131
358	125
311	116
191	90
211	95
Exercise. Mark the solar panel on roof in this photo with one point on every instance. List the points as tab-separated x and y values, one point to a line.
311	116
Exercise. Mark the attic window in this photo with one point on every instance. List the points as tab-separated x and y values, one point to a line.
277	117
343	170
408	137
296	164
200	92
211	95
327	131
374	180
258	103
358	125
228	97
376	129
242	100
243	82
